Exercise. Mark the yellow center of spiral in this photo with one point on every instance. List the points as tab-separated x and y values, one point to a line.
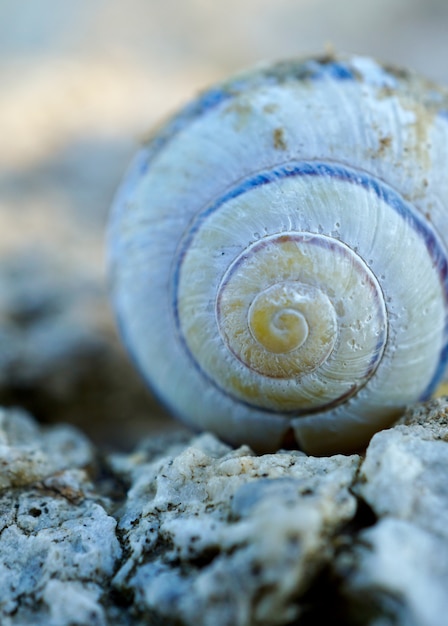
292	328
279	331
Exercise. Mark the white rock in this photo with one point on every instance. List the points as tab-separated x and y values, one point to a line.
58	544
211	536
209	529
399	566
70	602
405	470
398	561
28	454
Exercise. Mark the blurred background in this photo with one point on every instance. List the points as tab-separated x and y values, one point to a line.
80	84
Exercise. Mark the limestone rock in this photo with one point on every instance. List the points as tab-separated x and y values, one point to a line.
57	542
400	564
405	470
28	454
400	576
188	531
218	536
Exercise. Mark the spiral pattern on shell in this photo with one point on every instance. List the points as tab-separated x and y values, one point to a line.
277	255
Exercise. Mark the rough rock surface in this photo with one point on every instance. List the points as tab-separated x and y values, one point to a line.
58	545
402	561
187	531
209	532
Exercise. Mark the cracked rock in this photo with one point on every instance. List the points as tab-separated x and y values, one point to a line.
188	531
221	536
58	544
401	563
401	575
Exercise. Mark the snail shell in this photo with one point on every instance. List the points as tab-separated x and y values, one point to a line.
278	254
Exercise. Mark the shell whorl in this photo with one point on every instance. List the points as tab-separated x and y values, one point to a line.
286	279
288	305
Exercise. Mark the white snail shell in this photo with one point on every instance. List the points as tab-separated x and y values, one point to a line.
279	254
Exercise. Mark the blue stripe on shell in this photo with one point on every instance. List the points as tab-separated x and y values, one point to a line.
308	69
209	100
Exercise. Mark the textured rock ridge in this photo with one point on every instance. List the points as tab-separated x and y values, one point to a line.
189	531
